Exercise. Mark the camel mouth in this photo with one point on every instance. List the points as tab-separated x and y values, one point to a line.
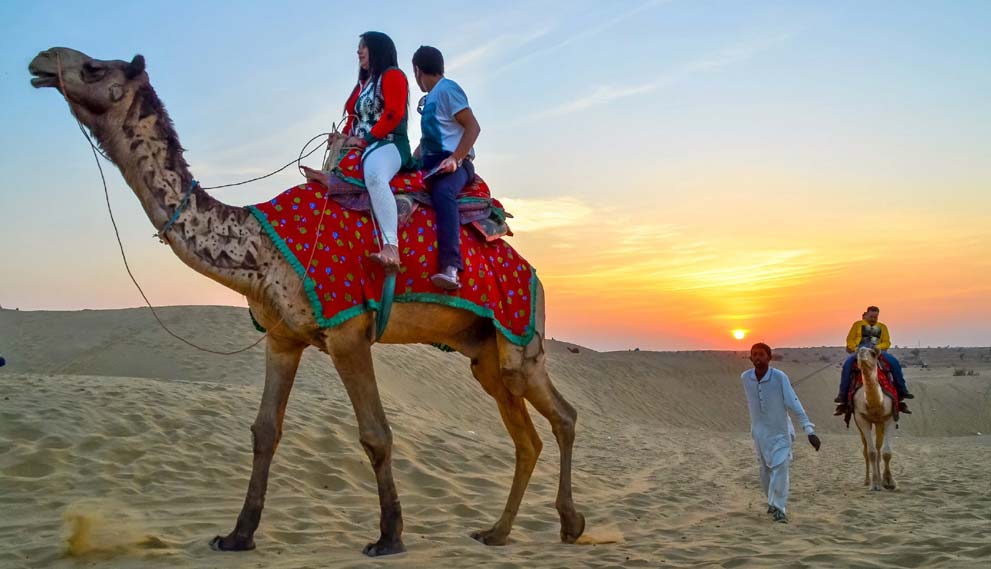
44	79
42	70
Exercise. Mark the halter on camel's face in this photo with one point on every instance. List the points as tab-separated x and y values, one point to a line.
867	356
94	88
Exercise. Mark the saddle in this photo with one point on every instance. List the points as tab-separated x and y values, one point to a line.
887	386
476	206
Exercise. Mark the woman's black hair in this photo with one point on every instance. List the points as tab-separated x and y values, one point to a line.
381	55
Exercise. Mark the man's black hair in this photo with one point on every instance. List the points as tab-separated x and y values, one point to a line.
429	60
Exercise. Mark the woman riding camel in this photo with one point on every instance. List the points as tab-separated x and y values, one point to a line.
377	112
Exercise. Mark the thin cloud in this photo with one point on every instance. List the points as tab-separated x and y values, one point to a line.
583	34
603	94
542	215
495	47
599	96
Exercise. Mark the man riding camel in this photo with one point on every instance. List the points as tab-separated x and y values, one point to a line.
872	334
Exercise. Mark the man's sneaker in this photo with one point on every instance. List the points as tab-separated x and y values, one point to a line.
906	395
839	399
446	279
841	409
779	516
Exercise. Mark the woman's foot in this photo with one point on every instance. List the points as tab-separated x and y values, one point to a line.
388	257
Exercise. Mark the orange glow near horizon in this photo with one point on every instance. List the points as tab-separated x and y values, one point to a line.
669	286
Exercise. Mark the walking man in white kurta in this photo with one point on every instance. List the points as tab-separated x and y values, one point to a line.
769	398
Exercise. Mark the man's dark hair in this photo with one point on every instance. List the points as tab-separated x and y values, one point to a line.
873	309
761	346
381	55
429	60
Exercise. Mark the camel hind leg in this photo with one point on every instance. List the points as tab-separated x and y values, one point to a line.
532	382
885	432
512	408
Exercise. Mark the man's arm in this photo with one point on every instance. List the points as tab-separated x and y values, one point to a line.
885	342
795	406
853	337
467	120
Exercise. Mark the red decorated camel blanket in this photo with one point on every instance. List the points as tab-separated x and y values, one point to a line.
309	224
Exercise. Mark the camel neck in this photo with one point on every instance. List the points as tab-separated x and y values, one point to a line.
207	235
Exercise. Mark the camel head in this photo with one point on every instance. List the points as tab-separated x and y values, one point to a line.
99	92
867	358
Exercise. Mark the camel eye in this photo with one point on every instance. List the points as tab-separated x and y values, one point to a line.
91	73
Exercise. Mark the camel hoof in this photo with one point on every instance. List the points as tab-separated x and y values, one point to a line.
382	547
231	544
571	534
889	486
490	537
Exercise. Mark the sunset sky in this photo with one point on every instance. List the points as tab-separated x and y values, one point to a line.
678	169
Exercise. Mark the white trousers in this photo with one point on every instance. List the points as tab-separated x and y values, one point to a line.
380	163
774	481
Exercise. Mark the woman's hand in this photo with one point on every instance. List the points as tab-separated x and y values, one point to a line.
356	141
315	176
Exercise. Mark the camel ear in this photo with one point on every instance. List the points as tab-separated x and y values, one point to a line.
135	67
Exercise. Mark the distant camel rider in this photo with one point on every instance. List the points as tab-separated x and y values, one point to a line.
871	333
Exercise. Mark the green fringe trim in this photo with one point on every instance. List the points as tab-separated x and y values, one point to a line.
255	323
428	297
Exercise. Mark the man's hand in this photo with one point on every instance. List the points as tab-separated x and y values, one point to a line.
447	166
815	442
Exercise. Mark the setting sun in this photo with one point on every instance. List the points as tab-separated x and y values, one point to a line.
739	334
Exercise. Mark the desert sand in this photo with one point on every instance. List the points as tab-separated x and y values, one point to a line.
121	447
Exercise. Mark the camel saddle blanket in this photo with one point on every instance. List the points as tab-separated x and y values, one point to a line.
476	206
342	282
887	386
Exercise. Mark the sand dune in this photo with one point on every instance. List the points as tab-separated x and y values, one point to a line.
120	447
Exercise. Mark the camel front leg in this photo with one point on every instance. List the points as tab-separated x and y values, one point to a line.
884	444
874	452
281	362
864	444
353	360
528	445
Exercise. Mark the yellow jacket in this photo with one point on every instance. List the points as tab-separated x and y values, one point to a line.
862	333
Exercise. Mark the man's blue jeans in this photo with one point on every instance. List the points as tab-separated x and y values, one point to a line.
444	190
896	372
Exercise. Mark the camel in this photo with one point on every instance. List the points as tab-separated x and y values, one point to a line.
873	409
116	102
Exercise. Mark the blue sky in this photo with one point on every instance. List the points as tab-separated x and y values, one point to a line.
688	124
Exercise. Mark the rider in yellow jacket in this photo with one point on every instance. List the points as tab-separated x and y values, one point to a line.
873	334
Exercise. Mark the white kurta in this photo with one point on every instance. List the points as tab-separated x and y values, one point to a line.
769	401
